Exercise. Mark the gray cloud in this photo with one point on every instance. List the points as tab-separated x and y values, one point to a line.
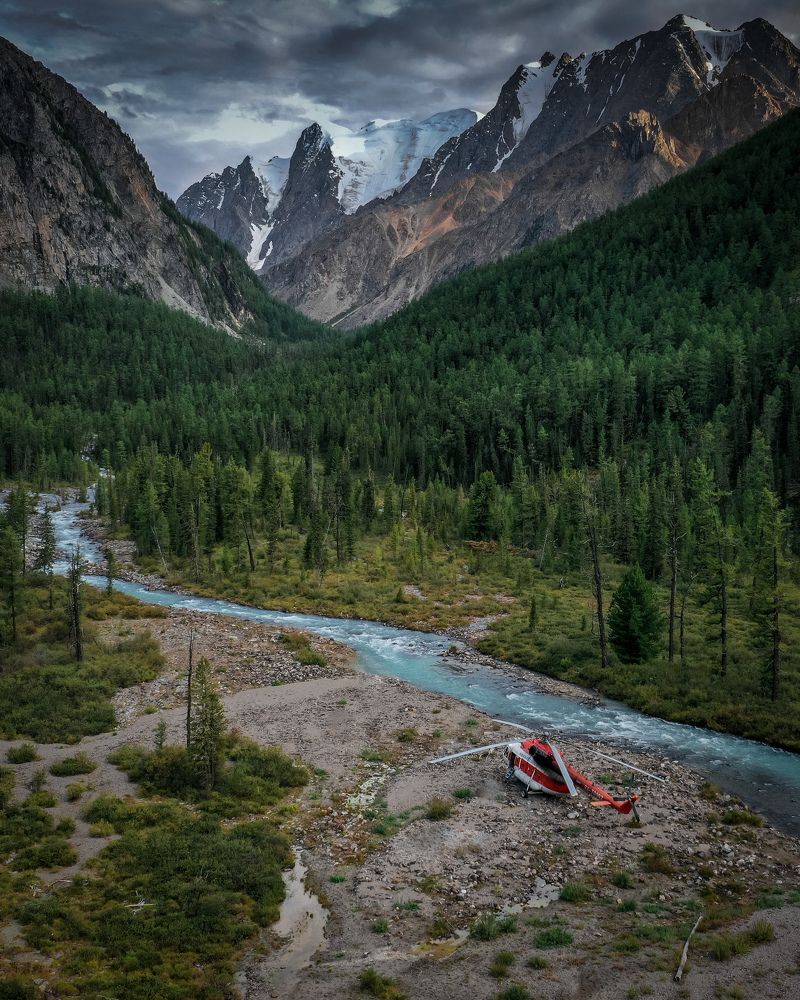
200	83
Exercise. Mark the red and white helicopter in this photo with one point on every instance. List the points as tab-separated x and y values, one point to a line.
538	765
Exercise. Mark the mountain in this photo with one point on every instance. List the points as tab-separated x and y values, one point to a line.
568	139
239	203
79	206
269	213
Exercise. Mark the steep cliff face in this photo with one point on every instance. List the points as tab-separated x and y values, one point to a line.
78	204
593	133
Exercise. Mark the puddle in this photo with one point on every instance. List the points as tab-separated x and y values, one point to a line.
301	926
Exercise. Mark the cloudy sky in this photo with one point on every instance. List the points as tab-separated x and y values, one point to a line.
200	83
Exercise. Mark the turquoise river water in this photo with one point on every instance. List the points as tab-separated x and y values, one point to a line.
766	778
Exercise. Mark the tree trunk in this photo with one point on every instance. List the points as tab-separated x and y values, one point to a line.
723	613
682	619
673	589
776	630
189	691
598	588
249	547
12	600
75	607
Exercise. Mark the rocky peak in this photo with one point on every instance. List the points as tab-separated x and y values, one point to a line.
309	205
230	203
489	142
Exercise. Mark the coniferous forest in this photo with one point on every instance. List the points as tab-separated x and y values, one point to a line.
607	421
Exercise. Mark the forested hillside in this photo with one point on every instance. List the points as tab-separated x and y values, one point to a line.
627	396
665	327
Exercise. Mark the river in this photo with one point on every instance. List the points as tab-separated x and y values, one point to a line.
766	778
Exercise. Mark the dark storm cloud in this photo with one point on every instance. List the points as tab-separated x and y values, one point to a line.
199	83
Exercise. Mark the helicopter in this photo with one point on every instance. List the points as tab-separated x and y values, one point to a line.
537	763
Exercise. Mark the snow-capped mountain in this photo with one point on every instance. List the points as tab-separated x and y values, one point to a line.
383	155
490	141
268	210
568	138
239	203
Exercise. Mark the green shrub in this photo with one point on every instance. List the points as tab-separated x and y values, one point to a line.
108	809
18	989
727	946
50	853
302	650
463	793
101	829
489	926
514	992
622	880
71	766
409	735
379	926
501	964
44	799
438	809
553	937
537	962
709	791
376	985
575	892
742	817
7	782
74	790
22	753
655	859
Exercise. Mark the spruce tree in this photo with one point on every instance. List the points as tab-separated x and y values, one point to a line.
634	619
207	725
46	555
11	576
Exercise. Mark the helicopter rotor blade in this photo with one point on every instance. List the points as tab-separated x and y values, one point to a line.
467	753
625	763
563	769
514	725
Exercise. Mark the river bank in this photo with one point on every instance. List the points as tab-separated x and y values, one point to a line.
430	874
406	856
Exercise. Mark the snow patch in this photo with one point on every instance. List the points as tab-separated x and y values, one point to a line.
273	175
384	154
718	45
259	236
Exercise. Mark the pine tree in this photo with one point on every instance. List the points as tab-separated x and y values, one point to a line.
207	726
769	571
481	514
46	555
533	614
74	605
19	512
634	620
11	576
111	568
